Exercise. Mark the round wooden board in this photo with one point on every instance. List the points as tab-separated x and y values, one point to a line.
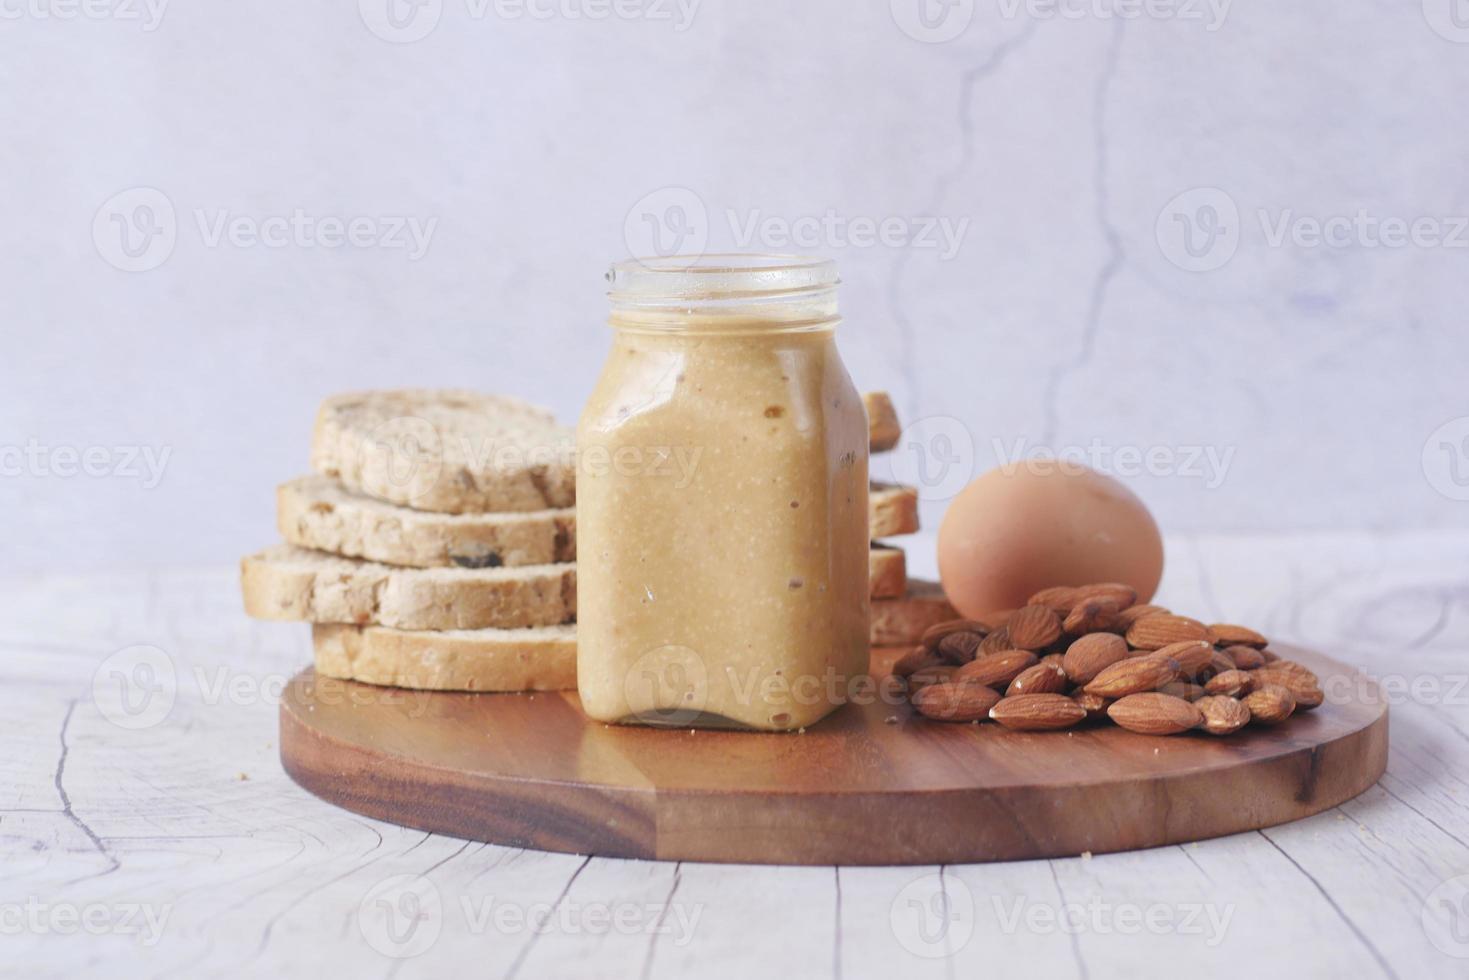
871	784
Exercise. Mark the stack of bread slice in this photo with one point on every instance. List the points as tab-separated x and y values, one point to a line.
434	546
902	608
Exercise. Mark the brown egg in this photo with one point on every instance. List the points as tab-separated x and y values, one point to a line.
1018	529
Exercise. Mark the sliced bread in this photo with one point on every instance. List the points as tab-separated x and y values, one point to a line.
286	582
887	571
455	452
891	510
882	421
317	512
541	658
903	620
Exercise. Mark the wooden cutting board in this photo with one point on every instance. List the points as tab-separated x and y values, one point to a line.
871	784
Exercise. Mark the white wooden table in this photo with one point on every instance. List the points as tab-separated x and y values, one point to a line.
181	848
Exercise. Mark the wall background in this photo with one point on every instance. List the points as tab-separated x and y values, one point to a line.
1071	313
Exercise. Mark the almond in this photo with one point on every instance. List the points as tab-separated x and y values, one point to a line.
998	669
1037	712
1059	599
935	633
913	661
1222	715
1123	595
1186	690
1133	676
1090	616
1233	683
1299	681
959	647
1270	704
1132	614
1228	635
1155	714
1270	655
1033	628
937	674
955	702
1155	632
1193	656
1091	654
1219	663
1041	678
1245	658
996	642
1095	705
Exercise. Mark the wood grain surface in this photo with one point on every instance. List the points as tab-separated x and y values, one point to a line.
873	784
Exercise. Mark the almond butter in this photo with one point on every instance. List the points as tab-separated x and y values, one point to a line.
1037	712
959	647
1155	632
1059	599
1132	614
1091	654
1134	675
1270	704
1123	595
1193	656
1222	715
955	702
1228	635
1155	714
1233	683
996	670
935	633
1245	658
1090	616
1034	628
1041	678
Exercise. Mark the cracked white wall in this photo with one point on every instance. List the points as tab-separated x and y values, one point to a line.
1322	372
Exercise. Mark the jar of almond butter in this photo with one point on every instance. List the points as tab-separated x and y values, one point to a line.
722	500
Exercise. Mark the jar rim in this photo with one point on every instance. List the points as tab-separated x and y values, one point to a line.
729	275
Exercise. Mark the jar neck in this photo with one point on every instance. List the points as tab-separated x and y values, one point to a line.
724	294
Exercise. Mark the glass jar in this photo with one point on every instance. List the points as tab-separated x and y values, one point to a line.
722	545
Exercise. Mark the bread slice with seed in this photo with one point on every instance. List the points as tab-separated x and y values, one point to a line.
891	510
903	620
457	452
882	421
286	582
887	571
317	512
538	658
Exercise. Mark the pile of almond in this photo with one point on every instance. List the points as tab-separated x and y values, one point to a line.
1092	652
